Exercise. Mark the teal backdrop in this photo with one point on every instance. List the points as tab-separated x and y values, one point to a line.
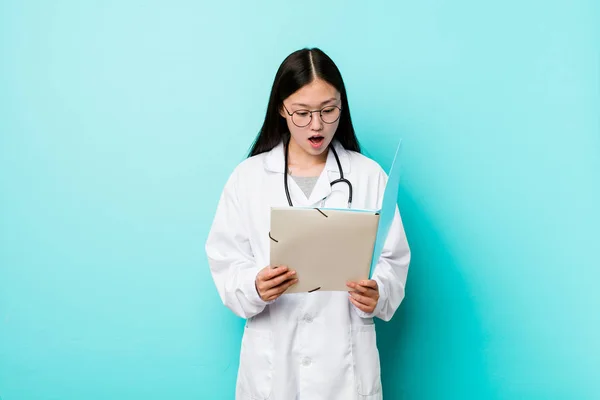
121	120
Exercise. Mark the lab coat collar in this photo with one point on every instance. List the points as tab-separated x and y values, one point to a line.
275	161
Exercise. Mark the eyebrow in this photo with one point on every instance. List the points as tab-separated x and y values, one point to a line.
323	103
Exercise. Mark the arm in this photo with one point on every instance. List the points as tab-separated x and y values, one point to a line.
230	256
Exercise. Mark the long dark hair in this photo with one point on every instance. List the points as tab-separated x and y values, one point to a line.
298	69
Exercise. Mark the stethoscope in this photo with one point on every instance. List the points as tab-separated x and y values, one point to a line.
340	180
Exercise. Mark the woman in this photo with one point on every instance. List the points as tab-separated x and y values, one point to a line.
318	345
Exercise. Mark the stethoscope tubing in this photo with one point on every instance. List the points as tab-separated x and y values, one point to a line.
340	180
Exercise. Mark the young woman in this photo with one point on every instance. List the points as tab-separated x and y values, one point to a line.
318	345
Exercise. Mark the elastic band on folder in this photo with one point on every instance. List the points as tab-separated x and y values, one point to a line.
325	215
276	241
310	291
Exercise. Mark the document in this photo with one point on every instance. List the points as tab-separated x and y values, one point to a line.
328	247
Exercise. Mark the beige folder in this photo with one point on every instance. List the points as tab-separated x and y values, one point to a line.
326	247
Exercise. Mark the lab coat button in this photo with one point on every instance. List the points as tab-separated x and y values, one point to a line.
308	318
306	361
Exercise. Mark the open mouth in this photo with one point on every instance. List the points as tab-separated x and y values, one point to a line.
316	141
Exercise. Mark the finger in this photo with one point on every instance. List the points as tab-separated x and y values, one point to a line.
275	292
274	282
360	289
270	272
368	301
280	290
365	291
369	283
361	306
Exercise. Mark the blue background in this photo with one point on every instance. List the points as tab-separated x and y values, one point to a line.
121	120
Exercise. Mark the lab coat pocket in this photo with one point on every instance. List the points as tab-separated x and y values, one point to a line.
256	364
367	372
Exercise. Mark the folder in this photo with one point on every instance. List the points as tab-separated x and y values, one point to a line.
328	247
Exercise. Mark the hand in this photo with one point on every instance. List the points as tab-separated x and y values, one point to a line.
365	295
271	282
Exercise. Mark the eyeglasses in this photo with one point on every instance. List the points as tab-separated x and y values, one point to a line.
302	118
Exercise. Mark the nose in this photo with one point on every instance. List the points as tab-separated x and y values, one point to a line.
316	124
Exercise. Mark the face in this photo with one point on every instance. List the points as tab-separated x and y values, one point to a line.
317	135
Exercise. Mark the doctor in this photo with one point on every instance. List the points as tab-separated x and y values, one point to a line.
307	346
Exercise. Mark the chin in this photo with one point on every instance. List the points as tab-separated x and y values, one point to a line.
319	151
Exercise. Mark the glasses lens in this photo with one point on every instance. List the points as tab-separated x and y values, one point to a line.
330	114
301	118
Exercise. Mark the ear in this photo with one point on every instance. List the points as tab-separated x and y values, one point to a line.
282	111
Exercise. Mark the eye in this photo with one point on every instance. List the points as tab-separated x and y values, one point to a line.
329	110
302	113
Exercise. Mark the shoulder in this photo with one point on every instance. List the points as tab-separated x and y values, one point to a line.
364	165
246	170
250	165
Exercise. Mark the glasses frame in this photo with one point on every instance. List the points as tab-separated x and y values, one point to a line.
311	115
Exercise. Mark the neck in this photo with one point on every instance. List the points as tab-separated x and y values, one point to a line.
301	159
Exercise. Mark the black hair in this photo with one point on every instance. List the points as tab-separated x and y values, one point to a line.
298	69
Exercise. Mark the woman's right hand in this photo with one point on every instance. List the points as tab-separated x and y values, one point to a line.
271	282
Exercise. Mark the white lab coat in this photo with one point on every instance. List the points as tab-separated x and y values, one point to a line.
306	346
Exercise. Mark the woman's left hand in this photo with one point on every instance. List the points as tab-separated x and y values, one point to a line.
364	295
